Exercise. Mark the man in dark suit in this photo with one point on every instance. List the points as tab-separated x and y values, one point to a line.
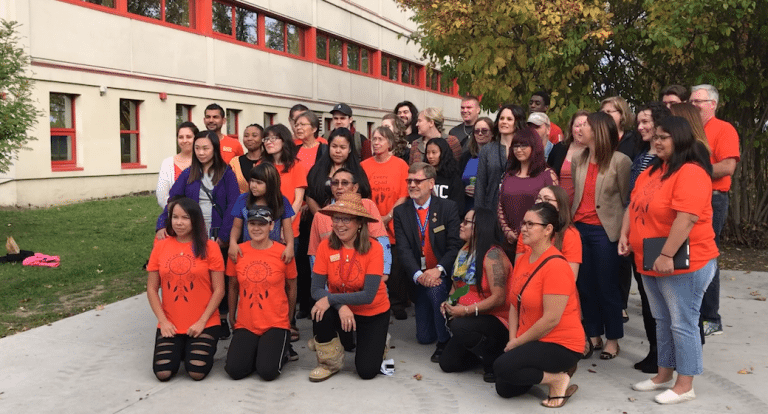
427	235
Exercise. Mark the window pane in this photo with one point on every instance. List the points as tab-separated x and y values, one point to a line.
108	3
61	148
384	66
335	52
232	122
433	80
413	74
146	8
246	25
294	39
222	18
445	84
177	12
353	57
127	115
182	114
275	36
364	62
393	69
61	111
322	47
405	76
129	148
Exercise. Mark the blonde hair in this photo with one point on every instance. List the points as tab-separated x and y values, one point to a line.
627	121
691	114
436	116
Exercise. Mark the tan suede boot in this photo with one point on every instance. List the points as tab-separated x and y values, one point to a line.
330	360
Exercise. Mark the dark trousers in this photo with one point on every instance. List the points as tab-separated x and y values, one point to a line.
519	369
598	283
197	354
371	332
648	322
397	284
625	278
430	322
263	354
224	304
474	339
304	279
710	305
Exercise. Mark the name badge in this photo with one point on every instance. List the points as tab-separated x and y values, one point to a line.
438	229
335	257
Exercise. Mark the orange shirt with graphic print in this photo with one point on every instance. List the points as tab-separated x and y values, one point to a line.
388	185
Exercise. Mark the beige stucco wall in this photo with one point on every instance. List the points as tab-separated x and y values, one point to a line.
77	50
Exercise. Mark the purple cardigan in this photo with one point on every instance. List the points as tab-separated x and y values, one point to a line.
225	194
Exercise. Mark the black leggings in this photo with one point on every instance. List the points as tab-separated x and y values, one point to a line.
474	339
519	369
249	352
197	353
371	338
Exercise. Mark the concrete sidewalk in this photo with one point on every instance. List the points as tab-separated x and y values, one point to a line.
100	362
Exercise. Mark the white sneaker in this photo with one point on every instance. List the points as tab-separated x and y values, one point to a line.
671	397
649	385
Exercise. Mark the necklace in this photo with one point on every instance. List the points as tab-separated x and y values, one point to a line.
464	128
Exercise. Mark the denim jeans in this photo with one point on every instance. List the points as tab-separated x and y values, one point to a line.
598	283
710	306
675	302
430	322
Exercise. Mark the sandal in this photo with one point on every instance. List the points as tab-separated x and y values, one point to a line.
597	346
608	355
568	393
295	336
589	349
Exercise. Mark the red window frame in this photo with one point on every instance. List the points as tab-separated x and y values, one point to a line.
236	113
163	8
345	49
414	71
183	107
70	164
261	25
137	162
269	118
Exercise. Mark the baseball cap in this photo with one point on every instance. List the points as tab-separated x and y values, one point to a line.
343	108
538	118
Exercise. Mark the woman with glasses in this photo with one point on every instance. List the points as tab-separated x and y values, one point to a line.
479	320
310	146
481	135
526	174
546	338
349	292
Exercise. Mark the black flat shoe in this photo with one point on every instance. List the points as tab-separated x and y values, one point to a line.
224	332
438	351
489	377
649	365
399	314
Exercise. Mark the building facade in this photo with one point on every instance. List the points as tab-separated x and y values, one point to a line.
115	77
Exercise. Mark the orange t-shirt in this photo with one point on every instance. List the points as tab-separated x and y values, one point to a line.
185	280
723	144
230	148
555	133
586	212
346	272
307	156
295	178
322	226
571	245
654	207
473	296
262	300
388	185
554	278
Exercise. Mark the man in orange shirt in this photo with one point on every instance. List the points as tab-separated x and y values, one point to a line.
214	120
724	145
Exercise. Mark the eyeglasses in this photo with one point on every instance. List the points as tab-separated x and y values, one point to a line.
482	131
520	146
303	124
343	183
341	220
528	224
271	138
660	137
416	181
700	101
467	222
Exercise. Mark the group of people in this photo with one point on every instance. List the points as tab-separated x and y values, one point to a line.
515	242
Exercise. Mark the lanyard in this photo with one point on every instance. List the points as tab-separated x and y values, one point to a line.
422	226
345	281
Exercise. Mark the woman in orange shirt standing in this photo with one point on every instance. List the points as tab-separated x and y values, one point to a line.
673	200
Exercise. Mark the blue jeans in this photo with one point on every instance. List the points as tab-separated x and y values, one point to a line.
710	306
598	283
430	322
675	302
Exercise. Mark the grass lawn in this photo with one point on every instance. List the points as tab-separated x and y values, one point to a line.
103	245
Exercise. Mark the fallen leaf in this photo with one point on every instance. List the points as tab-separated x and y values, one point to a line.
762	299
631	399
417	377
592	371
95	247
744	371
754	293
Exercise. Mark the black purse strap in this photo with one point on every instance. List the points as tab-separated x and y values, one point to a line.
210	197
520	295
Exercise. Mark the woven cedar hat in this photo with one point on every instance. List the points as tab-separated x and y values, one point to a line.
349	203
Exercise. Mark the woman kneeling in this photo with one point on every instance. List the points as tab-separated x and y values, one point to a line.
350	263
190	270
260	287
546	338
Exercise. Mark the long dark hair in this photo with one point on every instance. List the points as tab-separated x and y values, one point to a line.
685	150
218	167
486	234
528	136
474	148
659	111
414	113
199	238
267	173
447	165
606	139
548	215
319	174
517	112
564	210
288	153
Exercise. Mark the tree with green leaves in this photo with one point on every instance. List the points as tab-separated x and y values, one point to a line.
18	113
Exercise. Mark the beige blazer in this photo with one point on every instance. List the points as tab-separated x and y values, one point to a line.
611	189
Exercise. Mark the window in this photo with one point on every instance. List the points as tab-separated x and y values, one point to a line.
129	131
228	19
331	50
232	123
439	83
446	85
282	36
63	136
335	57
183	113
269	118
172	11
399	70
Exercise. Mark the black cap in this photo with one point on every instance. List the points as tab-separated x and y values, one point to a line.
343	108
260	214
